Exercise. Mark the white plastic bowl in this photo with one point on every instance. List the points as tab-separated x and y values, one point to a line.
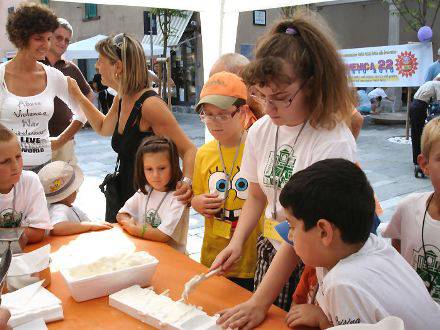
105	284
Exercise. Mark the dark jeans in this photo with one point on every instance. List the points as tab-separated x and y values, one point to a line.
417	116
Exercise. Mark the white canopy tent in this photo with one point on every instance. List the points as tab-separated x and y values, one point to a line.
219	19
85	49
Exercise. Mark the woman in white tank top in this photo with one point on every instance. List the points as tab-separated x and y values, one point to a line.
28	88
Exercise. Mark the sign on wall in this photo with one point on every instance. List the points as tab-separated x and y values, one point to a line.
389	66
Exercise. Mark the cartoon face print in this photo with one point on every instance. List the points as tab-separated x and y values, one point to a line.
240	185
238	192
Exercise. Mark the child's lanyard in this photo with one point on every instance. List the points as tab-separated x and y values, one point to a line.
76	213
158	207
13	199
228	176
431	276
275	163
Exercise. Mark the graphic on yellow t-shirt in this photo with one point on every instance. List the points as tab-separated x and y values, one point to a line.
235	196
209	178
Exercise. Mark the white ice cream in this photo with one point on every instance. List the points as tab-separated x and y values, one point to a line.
106	265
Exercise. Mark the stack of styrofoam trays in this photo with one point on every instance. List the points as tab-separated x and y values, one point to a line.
160	311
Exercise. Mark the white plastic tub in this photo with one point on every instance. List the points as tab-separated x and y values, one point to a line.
101	285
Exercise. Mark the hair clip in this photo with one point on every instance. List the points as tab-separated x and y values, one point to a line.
291	31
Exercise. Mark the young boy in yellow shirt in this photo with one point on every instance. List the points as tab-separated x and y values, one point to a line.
219	188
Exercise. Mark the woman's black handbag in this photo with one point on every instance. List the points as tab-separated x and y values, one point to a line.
109	187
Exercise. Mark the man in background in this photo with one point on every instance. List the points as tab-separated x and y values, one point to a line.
62	116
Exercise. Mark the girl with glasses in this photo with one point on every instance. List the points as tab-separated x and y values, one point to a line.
301	80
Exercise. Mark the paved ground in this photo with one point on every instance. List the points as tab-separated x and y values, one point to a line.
388	166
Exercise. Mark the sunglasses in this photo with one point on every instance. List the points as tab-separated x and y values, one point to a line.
118	41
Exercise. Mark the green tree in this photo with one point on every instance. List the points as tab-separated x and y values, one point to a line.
417	13
164	17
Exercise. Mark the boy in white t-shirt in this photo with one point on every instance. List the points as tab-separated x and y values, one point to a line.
22	201
361	278
415	227
61	182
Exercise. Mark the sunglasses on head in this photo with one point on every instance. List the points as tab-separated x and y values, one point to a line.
118	41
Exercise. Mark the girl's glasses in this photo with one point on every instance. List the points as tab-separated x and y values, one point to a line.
278	104
223	118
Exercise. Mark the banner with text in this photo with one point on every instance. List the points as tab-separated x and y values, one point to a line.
389	66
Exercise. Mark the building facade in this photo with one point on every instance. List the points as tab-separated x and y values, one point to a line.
354	24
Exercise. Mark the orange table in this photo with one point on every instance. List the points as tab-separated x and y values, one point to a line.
173	271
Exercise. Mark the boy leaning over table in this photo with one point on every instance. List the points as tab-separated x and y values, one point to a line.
22	200
361	278
330	207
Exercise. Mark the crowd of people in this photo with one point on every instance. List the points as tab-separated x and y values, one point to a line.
284	130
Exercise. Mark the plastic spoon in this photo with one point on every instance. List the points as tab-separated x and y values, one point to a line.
195	281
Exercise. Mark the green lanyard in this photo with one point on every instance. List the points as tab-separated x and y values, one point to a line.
228	176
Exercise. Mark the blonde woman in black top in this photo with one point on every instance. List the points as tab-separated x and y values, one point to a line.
137	112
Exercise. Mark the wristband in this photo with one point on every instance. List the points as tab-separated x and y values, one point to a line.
143	230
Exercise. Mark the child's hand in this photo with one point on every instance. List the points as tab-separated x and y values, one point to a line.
100	226
227	257
245	316
131	227
126	221
207	204
308	315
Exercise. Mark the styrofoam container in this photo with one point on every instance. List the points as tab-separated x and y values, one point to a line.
105	284
132	301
